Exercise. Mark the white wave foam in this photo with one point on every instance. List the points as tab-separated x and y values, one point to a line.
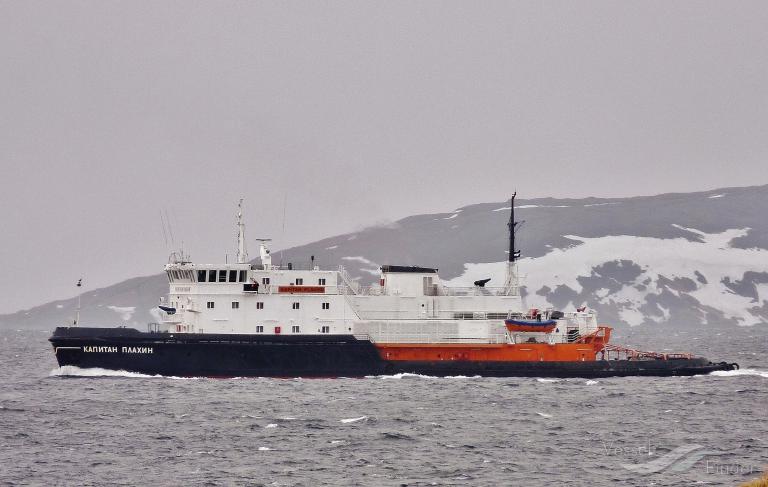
353	420
544	415
547	380
75	371
403	376
734	373
264	448
271	425
591	382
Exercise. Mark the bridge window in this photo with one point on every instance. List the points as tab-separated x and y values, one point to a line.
295	305
295	329
201	276
209	304
260	329
259	305
211	276
233	276
235	305
222	276
299	281
325	329
326	305
321	281
242	276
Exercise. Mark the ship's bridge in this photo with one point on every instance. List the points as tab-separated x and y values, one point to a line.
197	273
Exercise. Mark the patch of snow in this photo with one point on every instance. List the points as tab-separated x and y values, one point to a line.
332	247
361	259
373	267
523	207
716	196
125	312
352	237
632	315
59	306
451	217
671	258
603	204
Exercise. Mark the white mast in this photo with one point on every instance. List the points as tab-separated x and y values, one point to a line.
242	253
77	315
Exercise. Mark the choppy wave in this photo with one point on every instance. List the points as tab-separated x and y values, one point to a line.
733	373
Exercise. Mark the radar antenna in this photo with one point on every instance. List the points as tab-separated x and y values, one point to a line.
242	253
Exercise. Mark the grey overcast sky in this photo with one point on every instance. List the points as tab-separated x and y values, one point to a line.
356	112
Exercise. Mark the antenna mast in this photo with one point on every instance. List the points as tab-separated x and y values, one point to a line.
242	253
512	284
512	251
77	316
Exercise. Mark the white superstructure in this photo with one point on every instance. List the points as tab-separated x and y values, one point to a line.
407	305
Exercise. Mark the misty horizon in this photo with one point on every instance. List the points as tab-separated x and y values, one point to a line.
358	113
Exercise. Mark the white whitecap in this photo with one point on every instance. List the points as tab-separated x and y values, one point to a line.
353	420
404	375
544	415
271	425
75	371
734	373
264	448
591	382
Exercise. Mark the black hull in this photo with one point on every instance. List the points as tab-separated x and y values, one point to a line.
213	355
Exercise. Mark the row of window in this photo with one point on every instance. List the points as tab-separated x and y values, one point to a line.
294	329
260	305
224	275
300	281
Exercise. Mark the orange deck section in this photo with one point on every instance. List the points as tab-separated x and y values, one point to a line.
502	352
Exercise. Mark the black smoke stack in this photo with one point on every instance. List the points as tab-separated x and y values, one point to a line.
513	253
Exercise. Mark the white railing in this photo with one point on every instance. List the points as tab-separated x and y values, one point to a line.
466	291
353	285
435	338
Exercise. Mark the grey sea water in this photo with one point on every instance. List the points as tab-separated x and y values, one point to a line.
406	430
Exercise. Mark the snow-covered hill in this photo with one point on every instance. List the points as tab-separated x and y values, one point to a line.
688	259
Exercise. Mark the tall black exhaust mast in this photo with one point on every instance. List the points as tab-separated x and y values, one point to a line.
514	254
512	285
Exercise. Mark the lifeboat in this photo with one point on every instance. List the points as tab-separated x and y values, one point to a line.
522	325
